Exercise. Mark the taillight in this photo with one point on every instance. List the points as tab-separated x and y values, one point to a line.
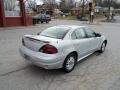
48	49
23	43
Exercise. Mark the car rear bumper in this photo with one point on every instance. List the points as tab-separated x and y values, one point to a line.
40	59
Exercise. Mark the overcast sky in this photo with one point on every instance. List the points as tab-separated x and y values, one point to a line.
39	1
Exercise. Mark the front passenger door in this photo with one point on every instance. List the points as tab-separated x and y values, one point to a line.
80	42
93	40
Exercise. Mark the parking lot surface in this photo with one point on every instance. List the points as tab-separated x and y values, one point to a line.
96	72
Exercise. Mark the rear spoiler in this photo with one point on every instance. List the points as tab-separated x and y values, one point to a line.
31	38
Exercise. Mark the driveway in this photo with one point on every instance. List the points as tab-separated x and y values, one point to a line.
97	72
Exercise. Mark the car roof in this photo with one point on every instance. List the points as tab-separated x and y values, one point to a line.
71	26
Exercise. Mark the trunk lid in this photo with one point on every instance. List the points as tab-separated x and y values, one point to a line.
35	42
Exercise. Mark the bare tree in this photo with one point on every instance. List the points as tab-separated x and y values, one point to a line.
109	4
30	5
63	6
67	5
70	4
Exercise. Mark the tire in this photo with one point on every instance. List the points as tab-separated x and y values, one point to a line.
37	21
47	21
71	59
41	21
103	46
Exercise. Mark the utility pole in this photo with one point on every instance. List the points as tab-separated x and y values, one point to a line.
92	6
109	6
83	8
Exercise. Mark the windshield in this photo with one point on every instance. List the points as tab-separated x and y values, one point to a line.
55	32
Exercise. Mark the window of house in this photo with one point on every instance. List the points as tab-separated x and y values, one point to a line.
12	8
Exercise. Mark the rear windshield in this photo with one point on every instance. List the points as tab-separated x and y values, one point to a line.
55	32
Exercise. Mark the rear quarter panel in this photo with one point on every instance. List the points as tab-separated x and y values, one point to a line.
65	47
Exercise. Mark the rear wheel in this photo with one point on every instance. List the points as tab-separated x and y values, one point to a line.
69	63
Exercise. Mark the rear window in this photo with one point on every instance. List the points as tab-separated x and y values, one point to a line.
55	32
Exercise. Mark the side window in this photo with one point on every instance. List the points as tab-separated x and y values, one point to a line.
89	32
73	36
78	34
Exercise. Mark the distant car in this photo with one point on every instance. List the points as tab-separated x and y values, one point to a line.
82	18
61	46
64	14
41	18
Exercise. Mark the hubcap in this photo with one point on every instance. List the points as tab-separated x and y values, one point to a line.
70	63
103	47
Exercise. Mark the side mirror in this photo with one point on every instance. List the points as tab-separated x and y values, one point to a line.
39	33
97	35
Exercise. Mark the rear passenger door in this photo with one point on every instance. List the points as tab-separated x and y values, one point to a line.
80	42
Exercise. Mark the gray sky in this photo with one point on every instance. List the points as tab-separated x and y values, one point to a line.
39	2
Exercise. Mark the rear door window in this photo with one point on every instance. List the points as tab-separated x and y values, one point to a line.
78	34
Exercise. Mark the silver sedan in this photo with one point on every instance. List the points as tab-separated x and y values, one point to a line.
61	46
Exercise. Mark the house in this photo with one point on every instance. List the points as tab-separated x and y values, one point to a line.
99	9
78	10
12	13
117	10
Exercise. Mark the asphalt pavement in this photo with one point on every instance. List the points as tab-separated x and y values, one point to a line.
96	72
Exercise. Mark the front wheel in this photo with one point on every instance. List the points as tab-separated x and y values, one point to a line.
103	46
69	63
